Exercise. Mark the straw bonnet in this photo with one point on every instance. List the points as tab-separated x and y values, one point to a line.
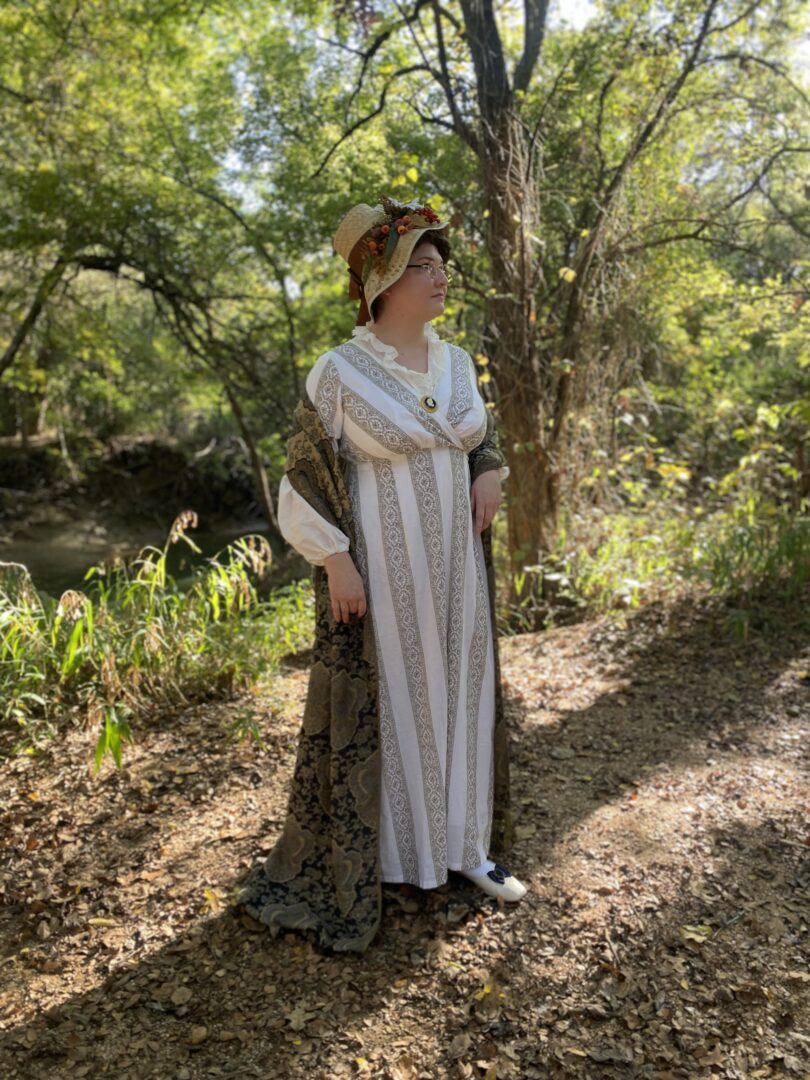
386	235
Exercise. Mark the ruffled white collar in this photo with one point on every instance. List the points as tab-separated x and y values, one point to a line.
387	354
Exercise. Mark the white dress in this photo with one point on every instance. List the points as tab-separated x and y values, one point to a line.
423	572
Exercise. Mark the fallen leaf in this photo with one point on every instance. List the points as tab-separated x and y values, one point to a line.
697	933
460	1045
403	1068
297	1017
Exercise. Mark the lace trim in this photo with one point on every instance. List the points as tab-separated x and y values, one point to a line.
387	354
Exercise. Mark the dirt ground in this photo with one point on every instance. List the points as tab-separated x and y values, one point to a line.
660	784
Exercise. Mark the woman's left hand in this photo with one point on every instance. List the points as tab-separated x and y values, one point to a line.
485	498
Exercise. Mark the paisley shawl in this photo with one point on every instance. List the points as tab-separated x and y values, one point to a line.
323	873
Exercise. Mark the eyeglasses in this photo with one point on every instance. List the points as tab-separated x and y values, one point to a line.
431	269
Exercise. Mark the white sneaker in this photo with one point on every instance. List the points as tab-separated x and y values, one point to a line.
497	882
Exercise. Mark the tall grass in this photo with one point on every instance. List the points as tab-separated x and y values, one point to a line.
740	552
132	643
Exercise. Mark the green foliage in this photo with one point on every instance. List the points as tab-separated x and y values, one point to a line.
133	643
166	169
741	550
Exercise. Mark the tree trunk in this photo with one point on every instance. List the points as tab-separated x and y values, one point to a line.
259	471
524	375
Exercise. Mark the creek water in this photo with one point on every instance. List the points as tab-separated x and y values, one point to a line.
59	550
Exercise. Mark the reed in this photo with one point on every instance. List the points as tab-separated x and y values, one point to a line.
134	644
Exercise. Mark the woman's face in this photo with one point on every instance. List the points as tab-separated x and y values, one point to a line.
416	295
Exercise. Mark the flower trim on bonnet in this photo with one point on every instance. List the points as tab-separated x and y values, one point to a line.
381	241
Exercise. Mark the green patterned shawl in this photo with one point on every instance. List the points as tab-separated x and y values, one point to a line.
323	873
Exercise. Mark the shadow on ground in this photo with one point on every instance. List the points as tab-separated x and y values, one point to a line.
659	773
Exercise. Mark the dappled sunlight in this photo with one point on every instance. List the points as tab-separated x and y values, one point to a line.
663	859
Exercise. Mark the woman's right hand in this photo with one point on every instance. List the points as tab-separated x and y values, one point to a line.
345	587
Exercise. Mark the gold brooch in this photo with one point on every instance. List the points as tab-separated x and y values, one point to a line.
429	403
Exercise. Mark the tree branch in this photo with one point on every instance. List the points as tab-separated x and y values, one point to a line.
366	119
377	44
536	13
749	58
49	282
494	92
24	98
460	125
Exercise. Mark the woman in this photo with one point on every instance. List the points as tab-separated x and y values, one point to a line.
393	478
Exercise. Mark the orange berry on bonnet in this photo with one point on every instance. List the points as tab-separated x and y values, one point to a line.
402	229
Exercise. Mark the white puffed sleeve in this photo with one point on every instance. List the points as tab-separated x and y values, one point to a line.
304	529
301	525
